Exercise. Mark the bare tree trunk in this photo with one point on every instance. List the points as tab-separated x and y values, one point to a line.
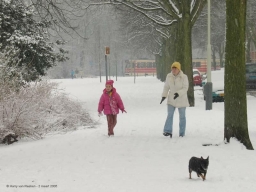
158	66
220	50
161	63
184	50
235	89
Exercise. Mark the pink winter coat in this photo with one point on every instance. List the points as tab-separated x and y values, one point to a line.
110	105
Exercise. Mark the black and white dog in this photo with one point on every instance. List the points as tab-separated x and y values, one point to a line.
199	165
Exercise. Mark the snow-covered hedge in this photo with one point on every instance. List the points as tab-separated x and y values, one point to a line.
39	109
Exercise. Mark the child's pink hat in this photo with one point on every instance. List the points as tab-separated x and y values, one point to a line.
110	82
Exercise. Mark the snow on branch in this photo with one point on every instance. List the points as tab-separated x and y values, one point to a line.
37	110
175	9
154	10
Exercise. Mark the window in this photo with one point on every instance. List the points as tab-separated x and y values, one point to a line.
196	64
196	73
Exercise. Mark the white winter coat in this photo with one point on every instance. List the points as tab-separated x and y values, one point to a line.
176	84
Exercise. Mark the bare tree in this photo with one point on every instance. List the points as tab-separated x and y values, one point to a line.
179	13
139	32
218	31
218	21
62	14
143	34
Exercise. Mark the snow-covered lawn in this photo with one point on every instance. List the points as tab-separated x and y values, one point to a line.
138	158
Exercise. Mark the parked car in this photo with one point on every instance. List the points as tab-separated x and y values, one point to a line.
250	73
217	79
197	78
218	82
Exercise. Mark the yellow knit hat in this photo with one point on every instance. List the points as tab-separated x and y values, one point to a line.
176	64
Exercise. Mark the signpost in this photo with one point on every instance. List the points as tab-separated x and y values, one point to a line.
107	52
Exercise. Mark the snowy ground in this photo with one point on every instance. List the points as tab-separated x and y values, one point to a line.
139	158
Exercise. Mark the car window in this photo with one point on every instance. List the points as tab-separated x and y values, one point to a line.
251	68
196	73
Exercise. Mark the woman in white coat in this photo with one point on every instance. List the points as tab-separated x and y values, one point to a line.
175	87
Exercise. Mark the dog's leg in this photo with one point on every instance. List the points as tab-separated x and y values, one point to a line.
205	175
201	175
190	170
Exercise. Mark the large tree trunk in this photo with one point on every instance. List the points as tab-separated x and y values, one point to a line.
184	50
166	58
235	89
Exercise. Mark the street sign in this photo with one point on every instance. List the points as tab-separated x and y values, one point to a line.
107	51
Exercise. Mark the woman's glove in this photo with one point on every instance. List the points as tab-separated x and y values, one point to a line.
100	114
163	98
123	111
175	95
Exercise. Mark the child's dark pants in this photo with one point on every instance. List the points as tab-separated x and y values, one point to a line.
111	123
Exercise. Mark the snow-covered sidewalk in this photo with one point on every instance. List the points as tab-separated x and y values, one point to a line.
138	158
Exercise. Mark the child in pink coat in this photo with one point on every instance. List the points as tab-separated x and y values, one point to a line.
110	103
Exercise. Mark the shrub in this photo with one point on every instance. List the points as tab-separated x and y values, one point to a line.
39	109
